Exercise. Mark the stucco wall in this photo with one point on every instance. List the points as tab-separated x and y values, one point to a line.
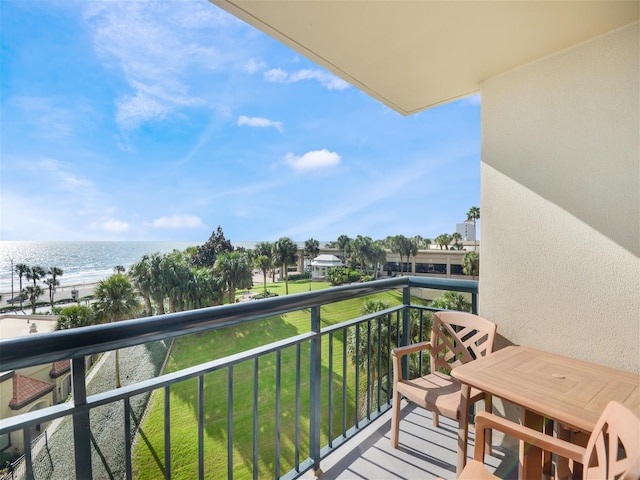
560	204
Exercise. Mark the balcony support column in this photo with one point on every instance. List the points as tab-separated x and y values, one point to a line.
81	426
316	378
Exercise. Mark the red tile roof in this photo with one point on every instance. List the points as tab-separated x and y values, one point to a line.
27	389
58	368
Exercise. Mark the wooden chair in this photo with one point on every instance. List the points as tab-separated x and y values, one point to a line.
612	452
456	338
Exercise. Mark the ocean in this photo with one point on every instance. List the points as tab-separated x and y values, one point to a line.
81	262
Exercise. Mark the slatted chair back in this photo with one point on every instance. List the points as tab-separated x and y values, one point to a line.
458	338
613	450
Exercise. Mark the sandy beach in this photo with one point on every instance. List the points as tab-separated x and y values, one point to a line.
86	289
62	292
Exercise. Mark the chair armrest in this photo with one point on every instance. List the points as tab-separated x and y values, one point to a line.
541	440
416	347
398	353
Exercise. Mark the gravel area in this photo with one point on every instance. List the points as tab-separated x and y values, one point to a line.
107	422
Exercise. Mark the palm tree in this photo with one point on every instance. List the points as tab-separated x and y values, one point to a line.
471	264
266	249
378	257
472	215
262	262
373	335
405	247
53	282
119	269
443	240
22	269
362	250
116	300
36	273
140	274
176	275
311	249
455	238
344	244
158	287
33	292
285	252
234	268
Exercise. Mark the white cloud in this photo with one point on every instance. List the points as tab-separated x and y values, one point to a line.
156	51
110	225
328	80
313	160
254	66
177	222
259	122
59	170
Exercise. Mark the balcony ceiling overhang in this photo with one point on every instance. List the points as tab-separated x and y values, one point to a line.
412	55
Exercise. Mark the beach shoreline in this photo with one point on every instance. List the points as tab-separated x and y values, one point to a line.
63	292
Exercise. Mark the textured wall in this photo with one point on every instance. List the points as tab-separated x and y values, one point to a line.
560	204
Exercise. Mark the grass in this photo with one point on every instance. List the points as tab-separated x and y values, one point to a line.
148	455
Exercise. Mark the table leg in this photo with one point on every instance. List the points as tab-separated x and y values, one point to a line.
530	456
463	428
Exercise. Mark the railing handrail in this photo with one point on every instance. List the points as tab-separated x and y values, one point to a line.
50	347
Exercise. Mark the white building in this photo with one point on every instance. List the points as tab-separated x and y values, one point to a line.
467	230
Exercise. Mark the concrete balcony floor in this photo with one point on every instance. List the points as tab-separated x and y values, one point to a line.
424	451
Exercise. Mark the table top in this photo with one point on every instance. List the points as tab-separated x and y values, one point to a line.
573	392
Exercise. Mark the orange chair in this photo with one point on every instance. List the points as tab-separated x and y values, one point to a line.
456	338
613	450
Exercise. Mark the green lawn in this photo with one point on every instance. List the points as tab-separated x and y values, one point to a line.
148	455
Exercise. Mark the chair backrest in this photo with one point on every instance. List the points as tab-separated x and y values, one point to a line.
613	451
459	337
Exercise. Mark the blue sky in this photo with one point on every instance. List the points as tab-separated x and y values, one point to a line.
136	120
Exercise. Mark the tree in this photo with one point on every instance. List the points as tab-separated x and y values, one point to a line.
285	253
363	251
75	316
22	269
158	287
140	274
311	249
234	268
344	244
176	276
263	263
452	301
33	292
378	257
119	269
405	247
472	215
53	282
116	300
363	344
35	274
455	238
471	264
266	249
443	240
206	254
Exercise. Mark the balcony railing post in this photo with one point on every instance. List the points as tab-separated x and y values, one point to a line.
316	377
474	303
406	320
81	426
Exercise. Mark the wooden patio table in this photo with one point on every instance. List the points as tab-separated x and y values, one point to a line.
547	385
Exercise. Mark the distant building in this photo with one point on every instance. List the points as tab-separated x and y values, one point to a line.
467	230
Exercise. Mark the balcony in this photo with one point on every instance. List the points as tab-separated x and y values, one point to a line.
322	413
